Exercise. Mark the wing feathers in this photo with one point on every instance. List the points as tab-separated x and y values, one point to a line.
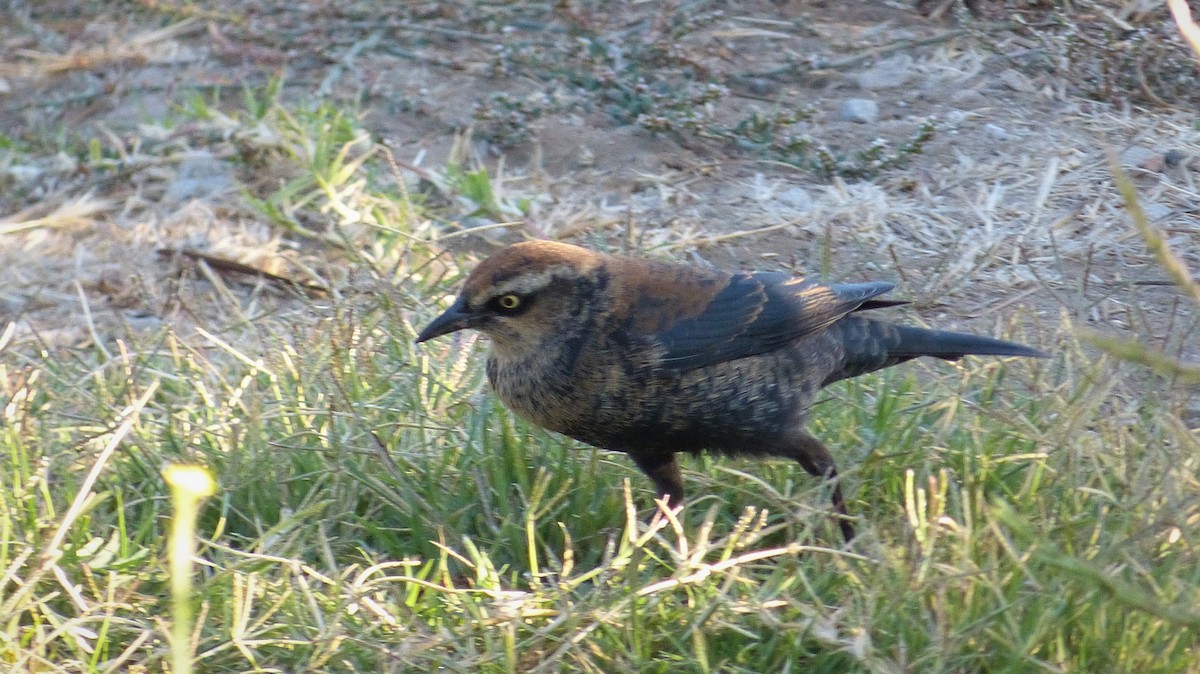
756	313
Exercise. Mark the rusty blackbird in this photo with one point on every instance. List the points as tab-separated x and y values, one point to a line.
652	359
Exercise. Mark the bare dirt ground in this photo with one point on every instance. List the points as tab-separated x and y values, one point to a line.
1007	219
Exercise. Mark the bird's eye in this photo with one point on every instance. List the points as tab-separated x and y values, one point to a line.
508	304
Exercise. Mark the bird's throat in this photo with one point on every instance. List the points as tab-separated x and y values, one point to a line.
540	384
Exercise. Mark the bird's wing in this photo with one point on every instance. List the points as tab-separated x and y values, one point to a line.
760	312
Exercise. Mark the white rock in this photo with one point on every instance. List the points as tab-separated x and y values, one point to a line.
995	132
861	110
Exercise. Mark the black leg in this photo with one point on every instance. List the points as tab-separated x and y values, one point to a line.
664	471
814	457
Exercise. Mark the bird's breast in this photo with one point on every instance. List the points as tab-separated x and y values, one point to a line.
626	400
595	394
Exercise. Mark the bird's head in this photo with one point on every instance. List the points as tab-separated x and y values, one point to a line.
524	296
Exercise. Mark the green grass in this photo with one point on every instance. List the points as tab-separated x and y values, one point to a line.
377	511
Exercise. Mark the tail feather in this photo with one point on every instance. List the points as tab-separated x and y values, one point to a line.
870	345
914	342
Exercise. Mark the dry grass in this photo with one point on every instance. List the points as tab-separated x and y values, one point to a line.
118	48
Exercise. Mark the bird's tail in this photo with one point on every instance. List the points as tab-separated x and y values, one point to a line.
872	345
914	342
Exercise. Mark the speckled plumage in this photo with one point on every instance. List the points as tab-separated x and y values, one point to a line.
652	359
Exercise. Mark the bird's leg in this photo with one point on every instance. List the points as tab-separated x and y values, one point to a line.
664	471
814	457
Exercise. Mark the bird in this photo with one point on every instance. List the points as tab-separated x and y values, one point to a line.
654	359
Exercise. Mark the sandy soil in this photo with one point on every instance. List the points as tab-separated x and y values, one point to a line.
1007	221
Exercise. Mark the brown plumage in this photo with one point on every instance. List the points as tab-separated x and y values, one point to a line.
652	359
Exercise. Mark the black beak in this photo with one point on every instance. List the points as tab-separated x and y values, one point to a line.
455	318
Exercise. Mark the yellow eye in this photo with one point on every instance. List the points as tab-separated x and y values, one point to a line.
508	302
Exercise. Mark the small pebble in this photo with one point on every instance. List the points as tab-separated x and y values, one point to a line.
1174	158
860	110
761	86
